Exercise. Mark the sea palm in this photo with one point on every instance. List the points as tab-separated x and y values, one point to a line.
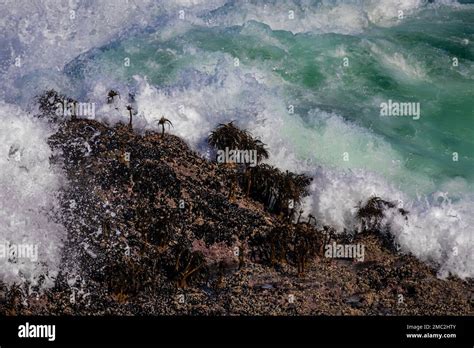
130	110
266	184
276	189
74	110
293	187
111	95
262	153
49	102
371	214
228	135
162	122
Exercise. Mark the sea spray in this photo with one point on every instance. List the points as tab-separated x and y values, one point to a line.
185	69
28	200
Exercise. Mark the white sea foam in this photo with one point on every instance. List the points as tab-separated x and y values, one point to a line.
45	35
326	16
438	229
28	198
401	66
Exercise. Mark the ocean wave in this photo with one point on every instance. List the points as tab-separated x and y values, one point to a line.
215	90
438	229
29	188
320	16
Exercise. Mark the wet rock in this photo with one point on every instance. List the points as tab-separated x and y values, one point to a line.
159	224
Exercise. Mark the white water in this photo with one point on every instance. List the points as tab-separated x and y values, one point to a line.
43	35
28	187
438	230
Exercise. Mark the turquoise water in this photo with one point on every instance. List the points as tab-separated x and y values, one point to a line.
411	61
310	87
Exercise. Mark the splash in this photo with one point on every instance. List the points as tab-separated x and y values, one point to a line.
28	189
184	66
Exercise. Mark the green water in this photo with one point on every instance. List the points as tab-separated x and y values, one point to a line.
408	62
